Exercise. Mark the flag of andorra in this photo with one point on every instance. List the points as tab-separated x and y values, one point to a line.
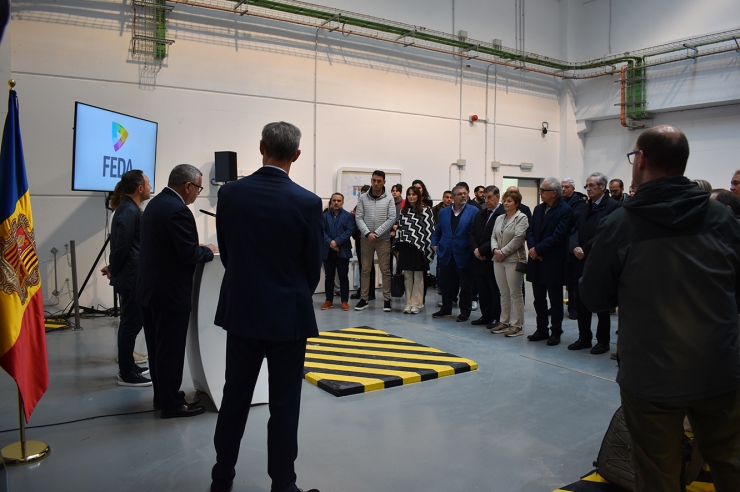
22	331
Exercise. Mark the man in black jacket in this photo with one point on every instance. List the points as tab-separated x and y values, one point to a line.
547	238
133	189
577	202
480	243
670	257
169	252
600	204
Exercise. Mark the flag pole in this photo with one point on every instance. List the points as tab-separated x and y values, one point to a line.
23	452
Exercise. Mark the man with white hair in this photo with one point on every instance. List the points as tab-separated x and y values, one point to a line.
547	238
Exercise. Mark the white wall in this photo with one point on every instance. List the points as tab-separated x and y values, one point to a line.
374	105
359	102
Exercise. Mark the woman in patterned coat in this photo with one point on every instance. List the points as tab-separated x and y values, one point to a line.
414	247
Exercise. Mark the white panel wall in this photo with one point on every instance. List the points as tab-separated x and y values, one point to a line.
369	104
359	102
712	135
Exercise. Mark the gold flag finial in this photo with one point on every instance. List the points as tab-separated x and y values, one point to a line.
11	83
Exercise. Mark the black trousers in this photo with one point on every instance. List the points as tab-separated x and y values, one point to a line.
555	293
450	274
166	332
243	361
584	323
571	282
489	297
129	327
656	430
341	266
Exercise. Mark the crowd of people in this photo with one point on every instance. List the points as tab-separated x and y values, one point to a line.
485	245
667	254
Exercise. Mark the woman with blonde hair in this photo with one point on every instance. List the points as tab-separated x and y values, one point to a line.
509	257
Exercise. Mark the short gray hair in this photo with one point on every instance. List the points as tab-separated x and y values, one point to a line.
553	184
492	189
458	187
570	180
601	178
184	173
281	140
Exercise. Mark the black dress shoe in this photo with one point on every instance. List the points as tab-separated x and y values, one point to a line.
222	486
157	406
553	340
461	318
537	336
183	411
441	314
480	321
579	344
600	348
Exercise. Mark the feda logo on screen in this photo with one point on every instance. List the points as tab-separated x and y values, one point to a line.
116	165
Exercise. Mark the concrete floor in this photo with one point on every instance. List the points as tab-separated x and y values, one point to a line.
531	418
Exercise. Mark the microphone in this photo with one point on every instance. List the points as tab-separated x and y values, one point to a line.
207	213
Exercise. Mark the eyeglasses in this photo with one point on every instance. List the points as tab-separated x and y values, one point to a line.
590	185
200	188
631	159
542	190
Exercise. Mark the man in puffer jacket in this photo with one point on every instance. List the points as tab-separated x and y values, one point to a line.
670	257
374	216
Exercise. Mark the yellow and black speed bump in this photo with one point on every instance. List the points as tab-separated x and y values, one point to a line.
357	360
593	482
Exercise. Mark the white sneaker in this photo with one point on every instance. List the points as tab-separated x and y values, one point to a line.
474	307
414	310
514	331
407	310
139	358
499	328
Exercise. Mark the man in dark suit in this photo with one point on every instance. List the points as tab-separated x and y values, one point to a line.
450	242
547	238
600	204
169	253
480	244
279	245
576	201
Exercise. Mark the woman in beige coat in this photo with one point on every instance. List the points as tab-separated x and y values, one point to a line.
508	245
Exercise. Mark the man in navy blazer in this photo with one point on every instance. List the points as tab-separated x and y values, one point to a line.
547	238
338	228
169	253
450	241
272	252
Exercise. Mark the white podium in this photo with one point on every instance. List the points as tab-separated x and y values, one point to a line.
206	342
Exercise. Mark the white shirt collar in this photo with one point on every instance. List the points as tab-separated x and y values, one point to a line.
275	167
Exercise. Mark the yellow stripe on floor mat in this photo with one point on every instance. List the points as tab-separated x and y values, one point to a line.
369	384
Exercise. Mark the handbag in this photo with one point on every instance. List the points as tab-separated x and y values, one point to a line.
397	285
521	266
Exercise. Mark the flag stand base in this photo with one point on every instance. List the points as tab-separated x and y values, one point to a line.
35	451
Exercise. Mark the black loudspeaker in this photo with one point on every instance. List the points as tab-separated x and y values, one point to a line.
225	167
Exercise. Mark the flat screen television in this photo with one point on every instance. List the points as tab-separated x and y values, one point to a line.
107	144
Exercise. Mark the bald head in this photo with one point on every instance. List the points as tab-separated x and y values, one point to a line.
512	188
666	150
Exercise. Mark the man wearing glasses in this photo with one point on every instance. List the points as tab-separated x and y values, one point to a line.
670	257
169	253
547	238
